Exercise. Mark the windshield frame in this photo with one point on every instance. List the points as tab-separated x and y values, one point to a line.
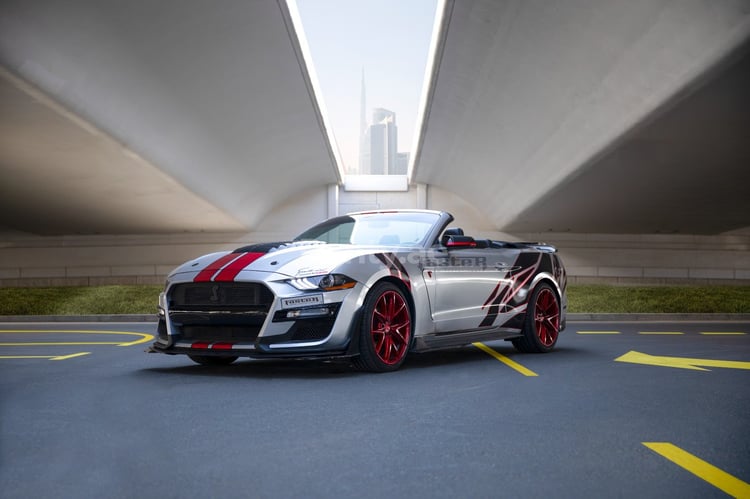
437	221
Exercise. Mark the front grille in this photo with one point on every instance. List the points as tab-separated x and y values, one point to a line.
219	311
219	333
220	296
216	318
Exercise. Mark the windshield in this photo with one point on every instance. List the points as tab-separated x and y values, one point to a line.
391	229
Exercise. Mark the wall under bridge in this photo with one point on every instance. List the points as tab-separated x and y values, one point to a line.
92	260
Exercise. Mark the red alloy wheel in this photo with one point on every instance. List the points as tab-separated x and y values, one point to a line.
391	327
547	317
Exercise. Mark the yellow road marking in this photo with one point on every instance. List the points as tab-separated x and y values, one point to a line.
145	337
598	332
25	357
634	357
723	333
59	344
66	357
505	360
700	468
660	332
49	357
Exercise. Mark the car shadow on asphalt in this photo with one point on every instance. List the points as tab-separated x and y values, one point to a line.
282	368
248	368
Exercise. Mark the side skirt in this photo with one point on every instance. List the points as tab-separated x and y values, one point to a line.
457	339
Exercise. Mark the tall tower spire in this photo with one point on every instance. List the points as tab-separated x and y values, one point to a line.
362	107
363	149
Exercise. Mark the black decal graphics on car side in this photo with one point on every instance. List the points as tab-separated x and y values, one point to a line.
395	267
508	288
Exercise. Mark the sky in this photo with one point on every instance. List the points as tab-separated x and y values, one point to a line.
390	39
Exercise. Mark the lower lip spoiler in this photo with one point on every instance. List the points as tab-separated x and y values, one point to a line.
246	350
202	347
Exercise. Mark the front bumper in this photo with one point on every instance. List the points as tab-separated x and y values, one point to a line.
277	321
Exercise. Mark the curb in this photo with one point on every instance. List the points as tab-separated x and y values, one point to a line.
570	318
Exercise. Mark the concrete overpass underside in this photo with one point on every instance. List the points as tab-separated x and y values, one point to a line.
134	136
142	117
593	117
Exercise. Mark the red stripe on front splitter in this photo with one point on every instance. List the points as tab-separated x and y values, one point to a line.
204	345
230	271
206	274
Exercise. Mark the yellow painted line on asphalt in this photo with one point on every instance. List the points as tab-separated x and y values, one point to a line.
59	343
26	356
505	360
144	337
634	357
71	356
597	332
723	333
702	469
49	357
673	333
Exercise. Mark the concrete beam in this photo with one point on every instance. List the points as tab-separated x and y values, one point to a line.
218	97
526	94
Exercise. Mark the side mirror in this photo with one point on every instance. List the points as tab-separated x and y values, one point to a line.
456	242
453	231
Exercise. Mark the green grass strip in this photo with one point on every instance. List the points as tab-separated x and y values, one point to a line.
658	299
79	300
581	299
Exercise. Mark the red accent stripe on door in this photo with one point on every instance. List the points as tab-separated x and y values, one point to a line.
229	272
206	274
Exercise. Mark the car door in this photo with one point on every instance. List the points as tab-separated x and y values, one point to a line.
464	285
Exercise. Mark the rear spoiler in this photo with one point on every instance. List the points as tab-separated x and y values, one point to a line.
544	247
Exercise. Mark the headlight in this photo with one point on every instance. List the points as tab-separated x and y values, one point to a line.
328	282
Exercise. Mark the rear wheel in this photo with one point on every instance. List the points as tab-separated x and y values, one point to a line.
542	324
213	360
386	330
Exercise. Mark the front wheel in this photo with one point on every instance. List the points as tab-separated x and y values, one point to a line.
386	329
213	360
542	323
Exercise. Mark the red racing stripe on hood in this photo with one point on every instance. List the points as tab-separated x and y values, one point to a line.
229	272
206	274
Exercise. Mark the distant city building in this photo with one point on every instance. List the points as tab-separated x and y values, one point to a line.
364	160
378	144
382	139
402	163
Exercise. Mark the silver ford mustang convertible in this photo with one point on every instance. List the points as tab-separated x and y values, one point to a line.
368	286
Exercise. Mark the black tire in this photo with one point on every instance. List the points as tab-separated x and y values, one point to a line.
386	330
542	324
213	360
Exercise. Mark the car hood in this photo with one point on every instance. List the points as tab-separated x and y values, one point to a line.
290	259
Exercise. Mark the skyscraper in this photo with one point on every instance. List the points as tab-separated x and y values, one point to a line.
382	138
378	142
402	163
363	166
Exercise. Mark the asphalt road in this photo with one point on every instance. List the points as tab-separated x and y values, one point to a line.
91	415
